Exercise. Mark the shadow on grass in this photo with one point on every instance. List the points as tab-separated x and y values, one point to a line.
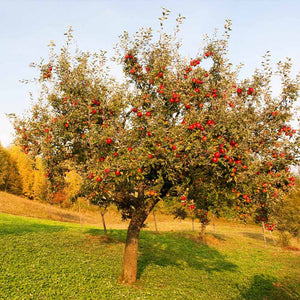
175	249
67	216
171	249
113	236
257	236
29	227
219	237
266	287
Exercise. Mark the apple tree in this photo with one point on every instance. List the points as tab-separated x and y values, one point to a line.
170	125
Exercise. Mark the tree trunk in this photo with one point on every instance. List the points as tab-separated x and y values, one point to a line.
103	221
214	223
129	273
202	233
140	214
154	218
79	209
264	233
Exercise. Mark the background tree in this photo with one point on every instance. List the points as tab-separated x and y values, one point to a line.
287	216
40	182
25	168
10	180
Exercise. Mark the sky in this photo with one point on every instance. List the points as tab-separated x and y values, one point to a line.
26	28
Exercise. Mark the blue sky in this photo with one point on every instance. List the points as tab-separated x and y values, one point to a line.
26	27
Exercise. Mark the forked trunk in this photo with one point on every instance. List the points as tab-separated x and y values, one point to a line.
202	233
129	273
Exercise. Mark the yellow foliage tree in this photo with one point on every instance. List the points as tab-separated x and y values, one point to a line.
74	181
25	168
40	183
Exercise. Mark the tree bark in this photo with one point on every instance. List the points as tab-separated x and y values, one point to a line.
154	218
140	214
264	233
202	233
79	209
103	221
214	223
129	273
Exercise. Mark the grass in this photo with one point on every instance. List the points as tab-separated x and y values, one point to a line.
15	205
43	259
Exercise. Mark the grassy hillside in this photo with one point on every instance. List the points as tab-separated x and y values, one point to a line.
21	206
43	259
15	205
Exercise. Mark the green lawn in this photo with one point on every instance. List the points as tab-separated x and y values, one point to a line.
42	259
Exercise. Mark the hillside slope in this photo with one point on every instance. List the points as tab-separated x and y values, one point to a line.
21	206
15	205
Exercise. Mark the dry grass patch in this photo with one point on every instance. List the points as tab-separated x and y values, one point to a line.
21	206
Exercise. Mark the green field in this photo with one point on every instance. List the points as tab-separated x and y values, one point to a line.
43	259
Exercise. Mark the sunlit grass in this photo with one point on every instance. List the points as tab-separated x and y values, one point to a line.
42	259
